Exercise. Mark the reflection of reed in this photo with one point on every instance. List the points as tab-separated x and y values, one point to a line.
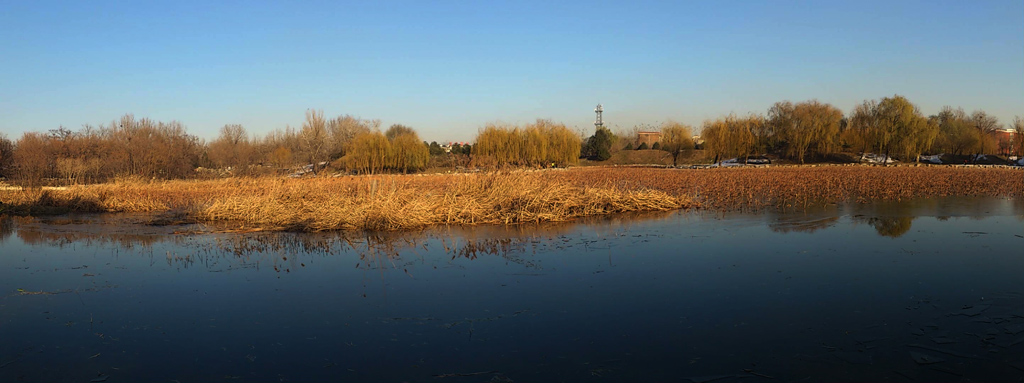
285	252
802	225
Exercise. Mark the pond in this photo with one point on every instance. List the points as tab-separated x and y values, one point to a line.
926	290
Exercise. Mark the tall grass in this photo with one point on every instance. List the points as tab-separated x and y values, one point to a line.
395	202
797	187
389	202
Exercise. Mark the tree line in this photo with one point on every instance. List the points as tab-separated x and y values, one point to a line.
148	149
892	127
127	146
802	131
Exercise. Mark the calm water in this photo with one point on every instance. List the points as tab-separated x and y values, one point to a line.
931	290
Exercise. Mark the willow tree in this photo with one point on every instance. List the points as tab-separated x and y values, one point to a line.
862	130
808	127
407	152
676	139
917	138
373	152
538	144
744	131
730	136
563	145
534	148
495	141
368	153
900	125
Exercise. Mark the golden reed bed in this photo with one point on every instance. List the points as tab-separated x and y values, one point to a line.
389	202
801	186
395	202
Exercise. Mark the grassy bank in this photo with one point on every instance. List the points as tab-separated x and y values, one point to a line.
375	203
395	202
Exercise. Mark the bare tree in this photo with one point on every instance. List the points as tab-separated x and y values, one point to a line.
314	137
985	125
397	130
956	131
1017	147
6	156
343	130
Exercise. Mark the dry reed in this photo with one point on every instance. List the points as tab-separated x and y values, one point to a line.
389	202
395	202
803	186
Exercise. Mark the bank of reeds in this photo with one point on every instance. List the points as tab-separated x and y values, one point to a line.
395	202
797	187
390	202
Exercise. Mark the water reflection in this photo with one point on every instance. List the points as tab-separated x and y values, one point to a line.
6	228
889	219
895	218
893	227
94	229
814	296
802	224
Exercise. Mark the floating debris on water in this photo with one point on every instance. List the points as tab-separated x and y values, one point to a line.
973	310
922	358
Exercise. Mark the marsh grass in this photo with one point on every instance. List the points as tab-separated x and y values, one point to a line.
390	202
800	187
398	202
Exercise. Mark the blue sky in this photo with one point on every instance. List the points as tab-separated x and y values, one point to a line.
447	68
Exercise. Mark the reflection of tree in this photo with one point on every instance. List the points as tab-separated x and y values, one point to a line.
893	227
6	228
64	231
786	225
1018	207
42	236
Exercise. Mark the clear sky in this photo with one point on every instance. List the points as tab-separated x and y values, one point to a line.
447	68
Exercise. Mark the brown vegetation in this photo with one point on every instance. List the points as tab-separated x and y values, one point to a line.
392	202
804	186
388	202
